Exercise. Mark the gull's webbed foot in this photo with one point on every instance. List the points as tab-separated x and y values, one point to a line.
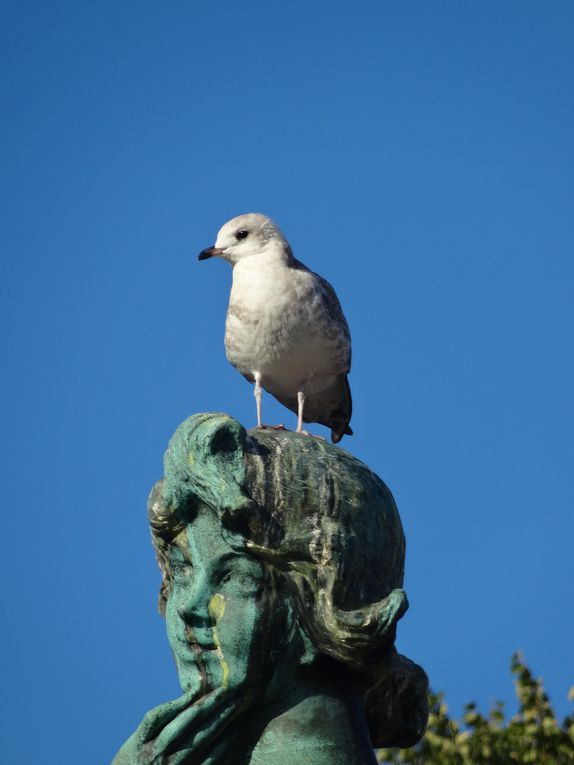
312	435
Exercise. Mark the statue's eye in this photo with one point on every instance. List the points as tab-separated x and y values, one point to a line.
242	233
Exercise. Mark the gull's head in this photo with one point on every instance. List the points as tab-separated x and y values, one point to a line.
245	236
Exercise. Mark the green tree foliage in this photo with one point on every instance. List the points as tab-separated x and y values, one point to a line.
533	735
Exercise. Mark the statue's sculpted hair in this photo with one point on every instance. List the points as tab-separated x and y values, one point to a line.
323	520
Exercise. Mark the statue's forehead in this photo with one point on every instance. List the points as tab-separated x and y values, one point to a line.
203	540
205	537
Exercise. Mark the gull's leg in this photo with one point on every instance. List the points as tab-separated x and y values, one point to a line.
300	405
300	408
257	394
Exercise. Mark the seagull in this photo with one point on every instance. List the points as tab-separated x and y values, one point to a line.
285	330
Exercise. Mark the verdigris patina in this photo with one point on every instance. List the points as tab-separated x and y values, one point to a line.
282	566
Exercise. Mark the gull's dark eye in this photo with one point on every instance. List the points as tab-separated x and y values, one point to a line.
242	233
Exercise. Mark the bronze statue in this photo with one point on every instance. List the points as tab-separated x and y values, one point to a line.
282	566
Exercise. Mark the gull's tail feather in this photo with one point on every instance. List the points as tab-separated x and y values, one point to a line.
341	417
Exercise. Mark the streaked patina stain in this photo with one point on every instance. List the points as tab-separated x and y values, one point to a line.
216	609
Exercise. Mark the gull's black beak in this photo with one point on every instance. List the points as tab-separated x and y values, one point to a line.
209	252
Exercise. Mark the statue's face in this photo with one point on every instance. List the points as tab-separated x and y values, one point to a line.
218	611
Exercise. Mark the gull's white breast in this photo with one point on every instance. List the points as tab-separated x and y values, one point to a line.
278	324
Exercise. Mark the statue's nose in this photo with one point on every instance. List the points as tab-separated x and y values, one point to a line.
192	602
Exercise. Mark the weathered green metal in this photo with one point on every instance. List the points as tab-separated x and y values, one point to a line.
282	568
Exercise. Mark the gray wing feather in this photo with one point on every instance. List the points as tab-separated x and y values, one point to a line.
330	302
333	308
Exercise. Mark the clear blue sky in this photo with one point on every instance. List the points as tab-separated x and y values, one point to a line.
418	155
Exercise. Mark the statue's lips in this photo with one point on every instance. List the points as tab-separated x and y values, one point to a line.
195	645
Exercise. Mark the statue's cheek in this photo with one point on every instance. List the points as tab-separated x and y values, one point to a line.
236	638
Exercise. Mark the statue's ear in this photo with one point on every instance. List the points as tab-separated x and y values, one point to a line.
205	461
